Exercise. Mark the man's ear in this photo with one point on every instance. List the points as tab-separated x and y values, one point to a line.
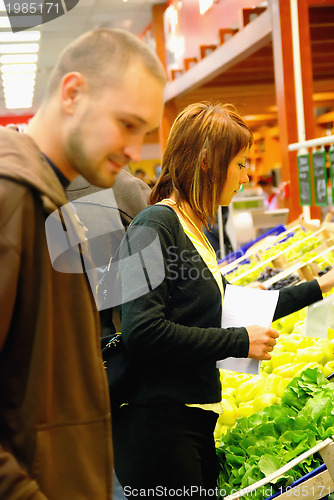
72	87
204	165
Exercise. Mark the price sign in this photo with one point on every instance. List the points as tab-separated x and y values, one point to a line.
320	178
304	176
331	168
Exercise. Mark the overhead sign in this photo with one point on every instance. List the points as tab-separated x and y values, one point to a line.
331	167
320	178
304	176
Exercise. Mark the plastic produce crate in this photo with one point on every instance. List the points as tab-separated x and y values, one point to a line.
302	480
317	484
231	257
242	250
275	231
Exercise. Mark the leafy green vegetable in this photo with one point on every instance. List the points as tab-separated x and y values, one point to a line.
260	444
268	464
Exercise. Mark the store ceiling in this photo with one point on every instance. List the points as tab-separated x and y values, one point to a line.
133	15
250	84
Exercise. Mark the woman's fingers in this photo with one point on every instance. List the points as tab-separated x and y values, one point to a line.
262	340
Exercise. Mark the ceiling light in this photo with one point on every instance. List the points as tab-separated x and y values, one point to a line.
4	22
19	96
9	81
18	58
18	89
26	36
15	104
19	48
18	92
26	95
18	68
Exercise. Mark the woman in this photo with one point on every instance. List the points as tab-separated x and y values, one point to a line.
163	434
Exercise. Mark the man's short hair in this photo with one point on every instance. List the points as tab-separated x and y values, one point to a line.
102	56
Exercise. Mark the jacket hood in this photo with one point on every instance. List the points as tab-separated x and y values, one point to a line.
22	161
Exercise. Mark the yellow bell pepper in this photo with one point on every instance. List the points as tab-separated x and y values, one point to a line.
246	409
289	370
312	364
310	354
228	393
271	383
283	383
264	400
330	334
250	389
328	368
230	414
282	358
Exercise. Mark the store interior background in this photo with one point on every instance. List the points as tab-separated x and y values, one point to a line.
237	51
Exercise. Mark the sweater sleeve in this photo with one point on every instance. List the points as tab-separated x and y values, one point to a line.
293	298
147	285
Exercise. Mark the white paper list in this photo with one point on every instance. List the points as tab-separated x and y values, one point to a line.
244	306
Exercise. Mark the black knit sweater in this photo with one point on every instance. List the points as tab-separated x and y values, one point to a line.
173	330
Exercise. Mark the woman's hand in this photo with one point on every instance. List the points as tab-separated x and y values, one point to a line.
261	341
326	282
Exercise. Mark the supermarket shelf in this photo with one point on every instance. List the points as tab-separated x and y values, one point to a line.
279	260
311	486
306	270
266	240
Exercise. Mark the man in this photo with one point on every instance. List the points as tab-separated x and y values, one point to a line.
105	94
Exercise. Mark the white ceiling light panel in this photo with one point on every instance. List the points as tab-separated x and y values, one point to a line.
21	36
19	48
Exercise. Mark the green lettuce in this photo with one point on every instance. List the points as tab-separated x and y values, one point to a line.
262	443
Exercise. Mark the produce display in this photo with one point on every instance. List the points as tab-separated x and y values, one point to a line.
246	272
269	272
296	247
292	279
287	408
263	442
325	270
298	244
244	394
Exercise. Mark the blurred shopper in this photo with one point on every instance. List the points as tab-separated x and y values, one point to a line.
212	233
105	94
95	208
140	174
270	192
163	433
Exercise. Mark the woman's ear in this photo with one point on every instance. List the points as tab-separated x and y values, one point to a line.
204	165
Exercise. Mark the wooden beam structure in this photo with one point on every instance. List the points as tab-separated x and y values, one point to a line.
285	97
254	70
255	35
